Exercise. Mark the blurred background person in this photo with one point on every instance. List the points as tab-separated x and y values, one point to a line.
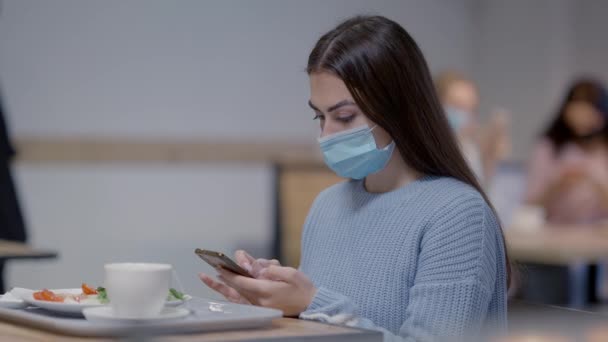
568	178
11	220
568	171
484	146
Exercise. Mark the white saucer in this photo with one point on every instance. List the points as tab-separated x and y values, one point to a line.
104	314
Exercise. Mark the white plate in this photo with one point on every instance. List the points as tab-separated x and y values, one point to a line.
104	314
69	308
64	308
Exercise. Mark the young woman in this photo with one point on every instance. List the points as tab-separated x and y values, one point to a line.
409	245
568	173
568	177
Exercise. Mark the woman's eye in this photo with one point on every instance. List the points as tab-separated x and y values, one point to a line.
346	119
319	117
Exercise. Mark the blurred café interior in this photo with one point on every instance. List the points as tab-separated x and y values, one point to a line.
143	129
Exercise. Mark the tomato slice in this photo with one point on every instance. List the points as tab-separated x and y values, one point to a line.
48	296
87	290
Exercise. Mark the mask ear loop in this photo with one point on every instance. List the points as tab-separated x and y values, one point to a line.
385	147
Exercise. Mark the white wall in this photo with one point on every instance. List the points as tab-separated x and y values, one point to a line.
524	59
93	214
187	68
590	43
527	53
171	69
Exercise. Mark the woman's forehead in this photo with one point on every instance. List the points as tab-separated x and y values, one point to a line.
326	89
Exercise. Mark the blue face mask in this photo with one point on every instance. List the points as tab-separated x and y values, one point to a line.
456	117
354	154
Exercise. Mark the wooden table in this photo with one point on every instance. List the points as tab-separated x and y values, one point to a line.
559	244
543	323
283	329
558	252
17	250
526	322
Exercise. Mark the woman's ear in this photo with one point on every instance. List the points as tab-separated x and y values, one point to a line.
381	136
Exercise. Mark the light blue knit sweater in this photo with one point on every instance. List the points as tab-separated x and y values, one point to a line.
421	262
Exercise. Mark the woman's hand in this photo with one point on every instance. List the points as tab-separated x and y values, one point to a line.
495	141
252	265
277	287
572	174
566	178
228	292
249	263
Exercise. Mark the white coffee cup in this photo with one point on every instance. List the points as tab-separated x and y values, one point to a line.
137	290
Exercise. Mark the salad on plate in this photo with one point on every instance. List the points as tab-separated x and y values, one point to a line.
73	301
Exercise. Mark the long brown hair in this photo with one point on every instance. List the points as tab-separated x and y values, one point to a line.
584	90
387	75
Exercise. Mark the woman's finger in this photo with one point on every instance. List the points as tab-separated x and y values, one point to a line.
267	263
244	260
250	287
279	273
223	289
261	264
244	295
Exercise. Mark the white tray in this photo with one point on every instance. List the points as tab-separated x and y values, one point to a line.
206	315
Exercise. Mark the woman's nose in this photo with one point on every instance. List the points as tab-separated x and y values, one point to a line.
330	127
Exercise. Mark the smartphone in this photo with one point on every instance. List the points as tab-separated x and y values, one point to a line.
217	259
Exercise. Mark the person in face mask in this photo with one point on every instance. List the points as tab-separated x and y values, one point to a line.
484	146
568	169
409	244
